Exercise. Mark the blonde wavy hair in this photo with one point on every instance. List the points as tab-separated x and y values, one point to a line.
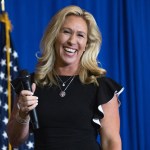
89	69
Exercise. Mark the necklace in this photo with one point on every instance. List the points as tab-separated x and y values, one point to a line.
63	83
63	92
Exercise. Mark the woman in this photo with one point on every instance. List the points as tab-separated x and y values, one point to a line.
73	99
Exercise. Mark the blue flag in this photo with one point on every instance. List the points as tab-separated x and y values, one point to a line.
8	70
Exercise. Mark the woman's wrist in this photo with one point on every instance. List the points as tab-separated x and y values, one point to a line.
22	120
22	114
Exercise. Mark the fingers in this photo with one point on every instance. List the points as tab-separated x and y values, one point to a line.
33	87
26	93
27	101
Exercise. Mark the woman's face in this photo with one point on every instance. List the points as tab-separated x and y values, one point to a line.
71	42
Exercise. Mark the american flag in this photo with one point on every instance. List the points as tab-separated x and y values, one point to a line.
5	92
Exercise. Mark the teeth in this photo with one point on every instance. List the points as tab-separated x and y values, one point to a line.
70	50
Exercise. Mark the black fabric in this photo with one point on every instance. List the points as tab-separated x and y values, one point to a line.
66	123
107	89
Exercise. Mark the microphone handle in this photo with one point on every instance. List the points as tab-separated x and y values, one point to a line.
33	115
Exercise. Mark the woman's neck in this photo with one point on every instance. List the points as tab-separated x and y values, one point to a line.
67	71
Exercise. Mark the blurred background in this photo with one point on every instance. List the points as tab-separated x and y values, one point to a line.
125	53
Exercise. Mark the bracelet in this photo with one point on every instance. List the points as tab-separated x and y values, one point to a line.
21	120
18	106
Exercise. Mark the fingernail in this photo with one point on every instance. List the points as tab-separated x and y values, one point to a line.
32	93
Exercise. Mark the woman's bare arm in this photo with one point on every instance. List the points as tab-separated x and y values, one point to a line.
17	133
110	129
18	124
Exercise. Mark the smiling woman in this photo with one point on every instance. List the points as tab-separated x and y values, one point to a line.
69	90
75	25
71	43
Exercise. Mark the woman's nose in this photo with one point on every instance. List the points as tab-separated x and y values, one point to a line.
72	39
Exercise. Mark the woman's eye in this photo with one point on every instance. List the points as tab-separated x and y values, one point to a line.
66	31
81	35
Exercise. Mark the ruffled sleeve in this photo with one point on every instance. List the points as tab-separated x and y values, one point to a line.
106	90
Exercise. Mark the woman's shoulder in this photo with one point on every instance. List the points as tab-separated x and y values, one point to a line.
107	81
107	88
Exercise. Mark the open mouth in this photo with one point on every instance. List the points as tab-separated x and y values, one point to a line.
69	50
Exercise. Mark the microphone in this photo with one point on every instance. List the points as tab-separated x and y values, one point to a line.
25	80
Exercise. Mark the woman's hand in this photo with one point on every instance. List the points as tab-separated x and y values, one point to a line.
27	102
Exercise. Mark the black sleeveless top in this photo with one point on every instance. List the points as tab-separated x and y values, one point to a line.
71	122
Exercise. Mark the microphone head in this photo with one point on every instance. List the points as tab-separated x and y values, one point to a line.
22	80
24	73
